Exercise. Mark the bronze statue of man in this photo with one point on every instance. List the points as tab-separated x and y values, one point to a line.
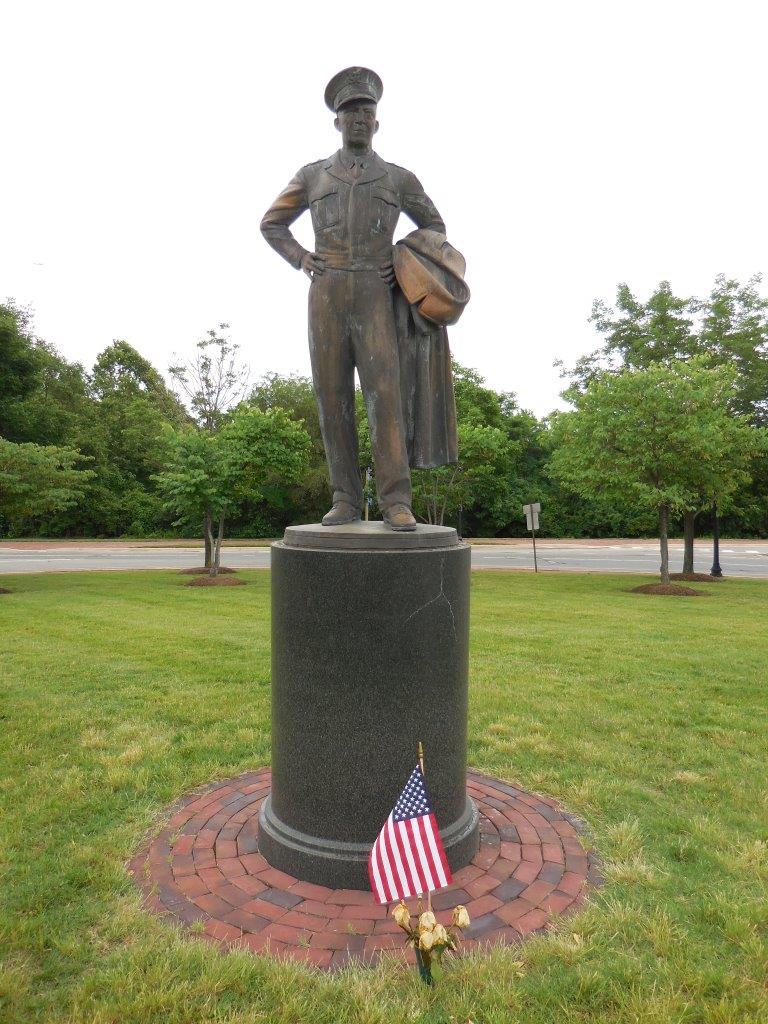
355	199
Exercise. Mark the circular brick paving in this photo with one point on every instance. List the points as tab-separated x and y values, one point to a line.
204	872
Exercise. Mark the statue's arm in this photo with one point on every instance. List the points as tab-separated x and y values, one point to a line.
418	205
276	223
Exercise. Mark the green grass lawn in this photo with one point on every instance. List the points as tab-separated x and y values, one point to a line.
646	716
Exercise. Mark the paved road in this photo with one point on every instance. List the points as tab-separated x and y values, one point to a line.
737	558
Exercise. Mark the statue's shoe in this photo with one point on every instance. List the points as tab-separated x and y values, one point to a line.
399	517
341	513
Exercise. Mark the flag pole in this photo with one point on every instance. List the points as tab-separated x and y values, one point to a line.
421	765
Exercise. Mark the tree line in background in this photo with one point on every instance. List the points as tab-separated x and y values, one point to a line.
667	421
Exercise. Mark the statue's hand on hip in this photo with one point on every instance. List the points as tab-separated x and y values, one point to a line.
312	264
387	271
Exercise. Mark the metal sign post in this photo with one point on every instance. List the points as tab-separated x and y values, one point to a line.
532	519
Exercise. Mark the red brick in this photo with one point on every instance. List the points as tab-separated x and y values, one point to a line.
531	853
183	865
536	892
501	937
219	930
261	943
468	873
382	942
315	907
553	852
249	884
526	871
213	905
183	845
577	863
556	902
264	909
510	851
347	897
225	848
485	857
211	876
204	859
230	866
372	912
484	905
192	886
390	927
360	927
512	912
565	828
316	957
254	863
320	893
335	940
480	886
571	883
317	924
205	839
247	922
531	921
502	869
284	933
231	894
277	879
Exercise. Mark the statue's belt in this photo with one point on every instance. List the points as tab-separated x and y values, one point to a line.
340	261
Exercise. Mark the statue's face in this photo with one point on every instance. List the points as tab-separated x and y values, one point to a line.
357	123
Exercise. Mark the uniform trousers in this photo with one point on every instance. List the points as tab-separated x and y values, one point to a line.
352	325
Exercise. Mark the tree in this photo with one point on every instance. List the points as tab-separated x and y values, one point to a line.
729	328
211	473
18	368
36	480
295	395
213	382
663	436
481	483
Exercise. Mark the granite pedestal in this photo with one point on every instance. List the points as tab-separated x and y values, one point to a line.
369	656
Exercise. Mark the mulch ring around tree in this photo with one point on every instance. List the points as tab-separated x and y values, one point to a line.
203	872
667	590
201	570
216	581
695	577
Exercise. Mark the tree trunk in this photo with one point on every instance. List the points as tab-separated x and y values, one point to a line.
689	533
214	570
664	541
208	538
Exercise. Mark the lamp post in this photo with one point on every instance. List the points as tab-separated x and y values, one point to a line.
715	570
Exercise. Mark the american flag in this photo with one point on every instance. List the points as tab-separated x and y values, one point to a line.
408	858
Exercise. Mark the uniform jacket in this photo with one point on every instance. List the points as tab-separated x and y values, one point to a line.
354	220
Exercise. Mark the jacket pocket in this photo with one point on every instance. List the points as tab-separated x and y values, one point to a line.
326	209
385	208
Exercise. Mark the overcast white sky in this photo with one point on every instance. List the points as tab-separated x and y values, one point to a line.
568	145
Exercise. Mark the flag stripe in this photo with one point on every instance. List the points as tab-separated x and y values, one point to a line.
430	833
417	825
405	850
441	850
374	874
391	840
384	858
413	829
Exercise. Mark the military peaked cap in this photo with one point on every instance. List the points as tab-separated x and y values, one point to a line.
353	84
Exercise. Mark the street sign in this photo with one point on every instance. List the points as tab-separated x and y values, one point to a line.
532	514
532	519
